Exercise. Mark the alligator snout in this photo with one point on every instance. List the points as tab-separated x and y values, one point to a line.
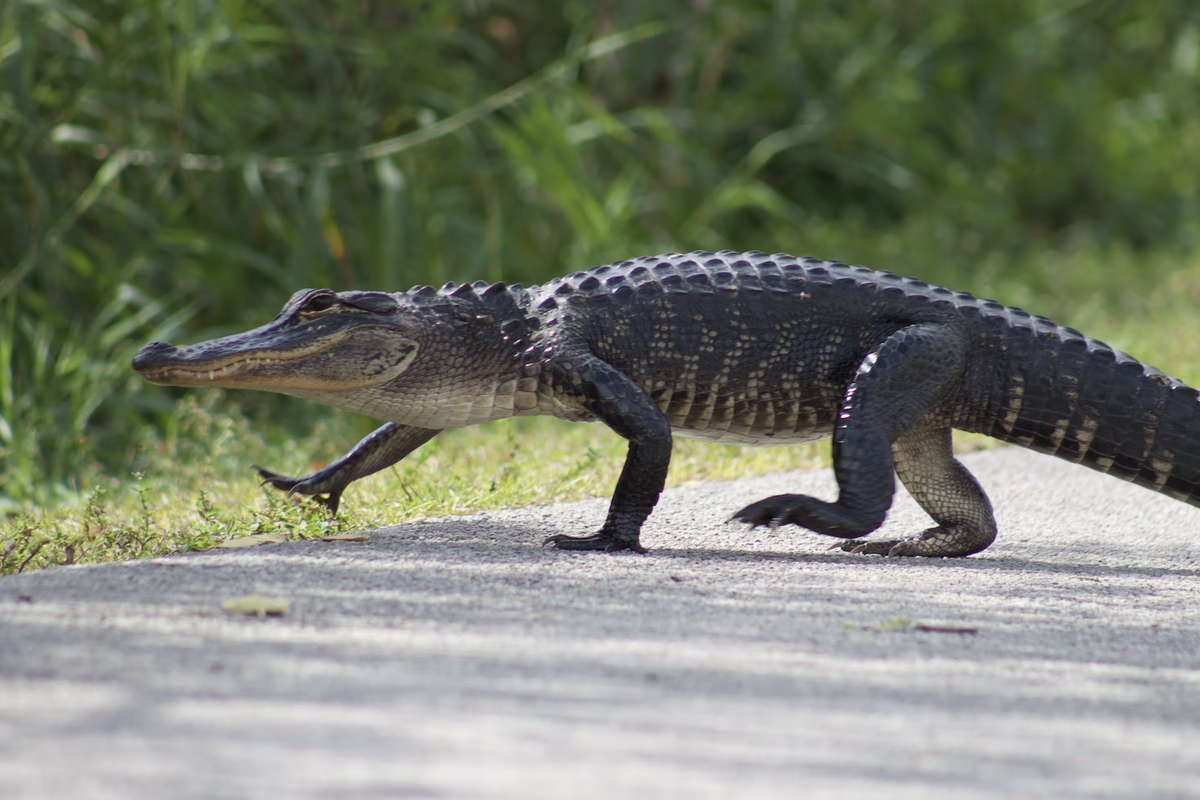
152	355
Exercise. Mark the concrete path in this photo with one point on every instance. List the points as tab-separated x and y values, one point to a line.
456	658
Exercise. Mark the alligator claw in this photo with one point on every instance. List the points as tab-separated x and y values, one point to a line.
276	480
330	498
892	547
905	547
859	548
764	512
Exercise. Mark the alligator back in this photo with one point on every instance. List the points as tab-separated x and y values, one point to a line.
743	348
759	349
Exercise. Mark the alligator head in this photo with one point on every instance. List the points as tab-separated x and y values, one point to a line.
383	355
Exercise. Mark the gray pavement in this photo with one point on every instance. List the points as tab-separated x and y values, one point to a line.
456	658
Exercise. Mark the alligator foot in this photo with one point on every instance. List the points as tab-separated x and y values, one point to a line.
882	547
947	541
326	492
597	541
831	519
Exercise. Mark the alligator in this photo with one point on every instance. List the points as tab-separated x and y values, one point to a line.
743	348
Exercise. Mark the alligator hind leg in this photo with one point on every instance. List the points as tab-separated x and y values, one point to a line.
925	462
378	450
867	484
897	383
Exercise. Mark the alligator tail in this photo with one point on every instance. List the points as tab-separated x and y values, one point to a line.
1078	399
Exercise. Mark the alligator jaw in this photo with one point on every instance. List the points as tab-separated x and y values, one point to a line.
336	361
168	365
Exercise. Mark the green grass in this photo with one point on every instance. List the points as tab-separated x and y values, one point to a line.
198	488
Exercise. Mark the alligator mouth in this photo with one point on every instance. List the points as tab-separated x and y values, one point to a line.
166	364
203	374
340	361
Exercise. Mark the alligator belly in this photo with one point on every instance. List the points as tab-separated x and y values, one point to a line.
760	439
741	418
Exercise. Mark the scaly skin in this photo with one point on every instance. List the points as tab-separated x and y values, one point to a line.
729	347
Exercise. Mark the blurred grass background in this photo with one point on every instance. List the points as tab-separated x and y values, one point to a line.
175	170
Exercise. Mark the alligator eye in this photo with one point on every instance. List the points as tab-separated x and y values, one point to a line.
319	303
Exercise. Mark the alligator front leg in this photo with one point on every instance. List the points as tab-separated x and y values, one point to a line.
619	403
378	450
896	384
